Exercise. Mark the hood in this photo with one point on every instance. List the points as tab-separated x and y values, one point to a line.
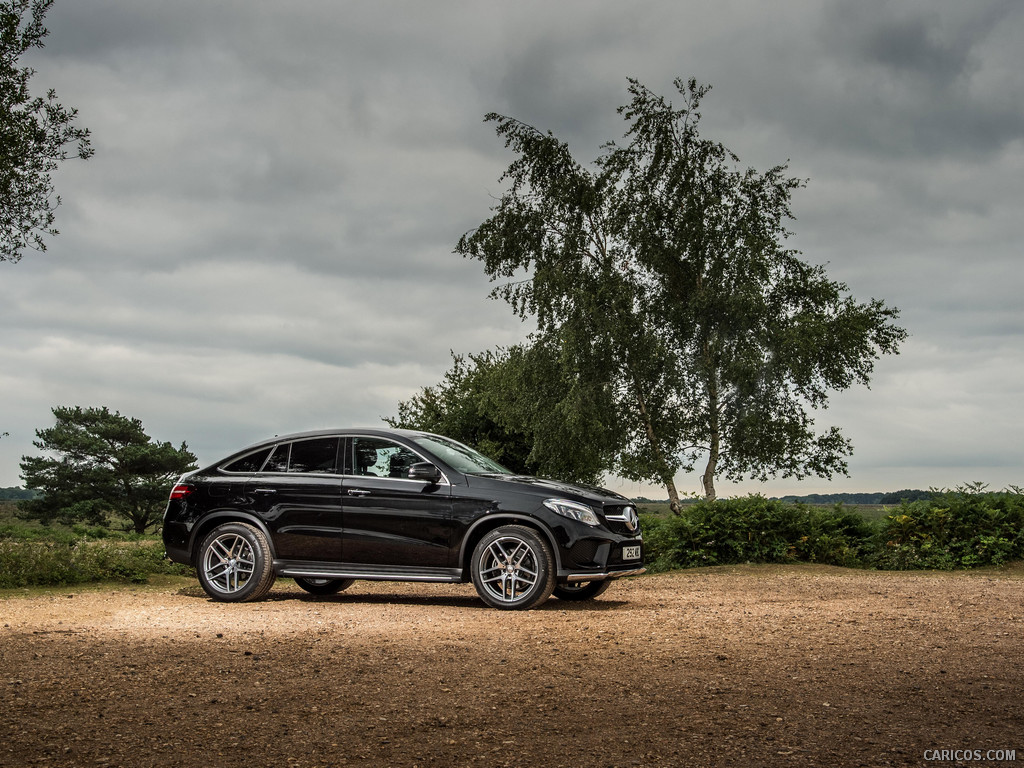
546	488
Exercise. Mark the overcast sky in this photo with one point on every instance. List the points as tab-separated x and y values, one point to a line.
263	240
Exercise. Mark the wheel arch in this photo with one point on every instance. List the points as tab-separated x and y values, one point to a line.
485	525
212	520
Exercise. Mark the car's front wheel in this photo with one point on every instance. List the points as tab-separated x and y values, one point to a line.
513	568
324	586
581	590
235	564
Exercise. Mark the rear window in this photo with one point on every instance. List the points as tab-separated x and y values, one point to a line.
318	455
278	461
249	463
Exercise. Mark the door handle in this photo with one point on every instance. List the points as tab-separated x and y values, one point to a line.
357	492
265	491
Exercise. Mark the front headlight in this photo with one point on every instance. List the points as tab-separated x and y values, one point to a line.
573	510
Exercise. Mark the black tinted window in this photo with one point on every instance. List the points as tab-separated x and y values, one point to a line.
250	463
279	459
381	458
319	455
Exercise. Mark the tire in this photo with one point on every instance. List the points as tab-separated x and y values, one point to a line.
324	586
582	590
235	564
513	568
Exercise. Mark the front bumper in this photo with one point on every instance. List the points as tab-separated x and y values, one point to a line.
599	556
605	575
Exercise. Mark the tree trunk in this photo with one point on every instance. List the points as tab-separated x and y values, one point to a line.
714	445
673	496
670	484
139	519
708	479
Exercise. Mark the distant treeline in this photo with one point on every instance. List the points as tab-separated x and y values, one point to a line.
16	494
893	497
820	499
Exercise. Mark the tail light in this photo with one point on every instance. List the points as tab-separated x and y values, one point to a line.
180	491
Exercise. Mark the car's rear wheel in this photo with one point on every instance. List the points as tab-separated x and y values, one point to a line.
235	564
324	586
513	568
581	590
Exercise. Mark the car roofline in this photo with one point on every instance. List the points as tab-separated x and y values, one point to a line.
408	434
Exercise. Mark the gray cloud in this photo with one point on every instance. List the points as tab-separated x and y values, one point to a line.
263	241
923	78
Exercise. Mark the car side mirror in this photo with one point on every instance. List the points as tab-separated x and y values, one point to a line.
424	470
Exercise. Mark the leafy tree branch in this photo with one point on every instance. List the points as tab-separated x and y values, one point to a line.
36	135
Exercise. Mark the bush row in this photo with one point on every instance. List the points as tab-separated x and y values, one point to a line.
37	562
65	535
964	528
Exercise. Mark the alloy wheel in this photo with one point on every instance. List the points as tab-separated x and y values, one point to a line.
229	562
509	569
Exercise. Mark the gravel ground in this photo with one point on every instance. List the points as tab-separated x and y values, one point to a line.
749	666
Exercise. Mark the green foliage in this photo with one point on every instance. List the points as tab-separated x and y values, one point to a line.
102	464
755	530
519	407
16	494
463	408
659	278
964	528
36	555
39	561
896	497
837	498
34	135
55	534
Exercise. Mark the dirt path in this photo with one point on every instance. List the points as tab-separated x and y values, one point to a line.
723	667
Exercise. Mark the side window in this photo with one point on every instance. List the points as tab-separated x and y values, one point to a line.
250	463
278	461
317	455
375	457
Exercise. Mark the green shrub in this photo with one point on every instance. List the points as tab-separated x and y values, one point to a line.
964	528
38	562
755	530
61	534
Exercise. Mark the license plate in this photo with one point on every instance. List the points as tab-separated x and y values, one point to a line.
631	552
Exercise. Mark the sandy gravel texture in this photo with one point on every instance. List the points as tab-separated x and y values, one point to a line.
748	666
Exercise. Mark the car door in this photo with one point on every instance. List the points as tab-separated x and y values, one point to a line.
388	518
298	495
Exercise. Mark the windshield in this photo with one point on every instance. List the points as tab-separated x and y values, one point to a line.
460	457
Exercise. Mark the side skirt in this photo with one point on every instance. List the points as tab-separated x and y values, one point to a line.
307	570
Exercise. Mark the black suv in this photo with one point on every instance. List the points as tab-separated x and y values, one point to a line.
326	508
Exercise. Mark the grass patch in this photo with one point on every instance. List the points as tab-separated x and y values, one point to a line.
37	555
160	582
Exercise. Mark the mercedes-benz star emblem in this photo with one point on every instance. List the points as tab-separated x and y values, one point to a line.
632	519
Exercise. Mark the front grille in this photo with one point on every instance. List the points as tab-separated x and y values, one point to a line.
619	526
616	526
